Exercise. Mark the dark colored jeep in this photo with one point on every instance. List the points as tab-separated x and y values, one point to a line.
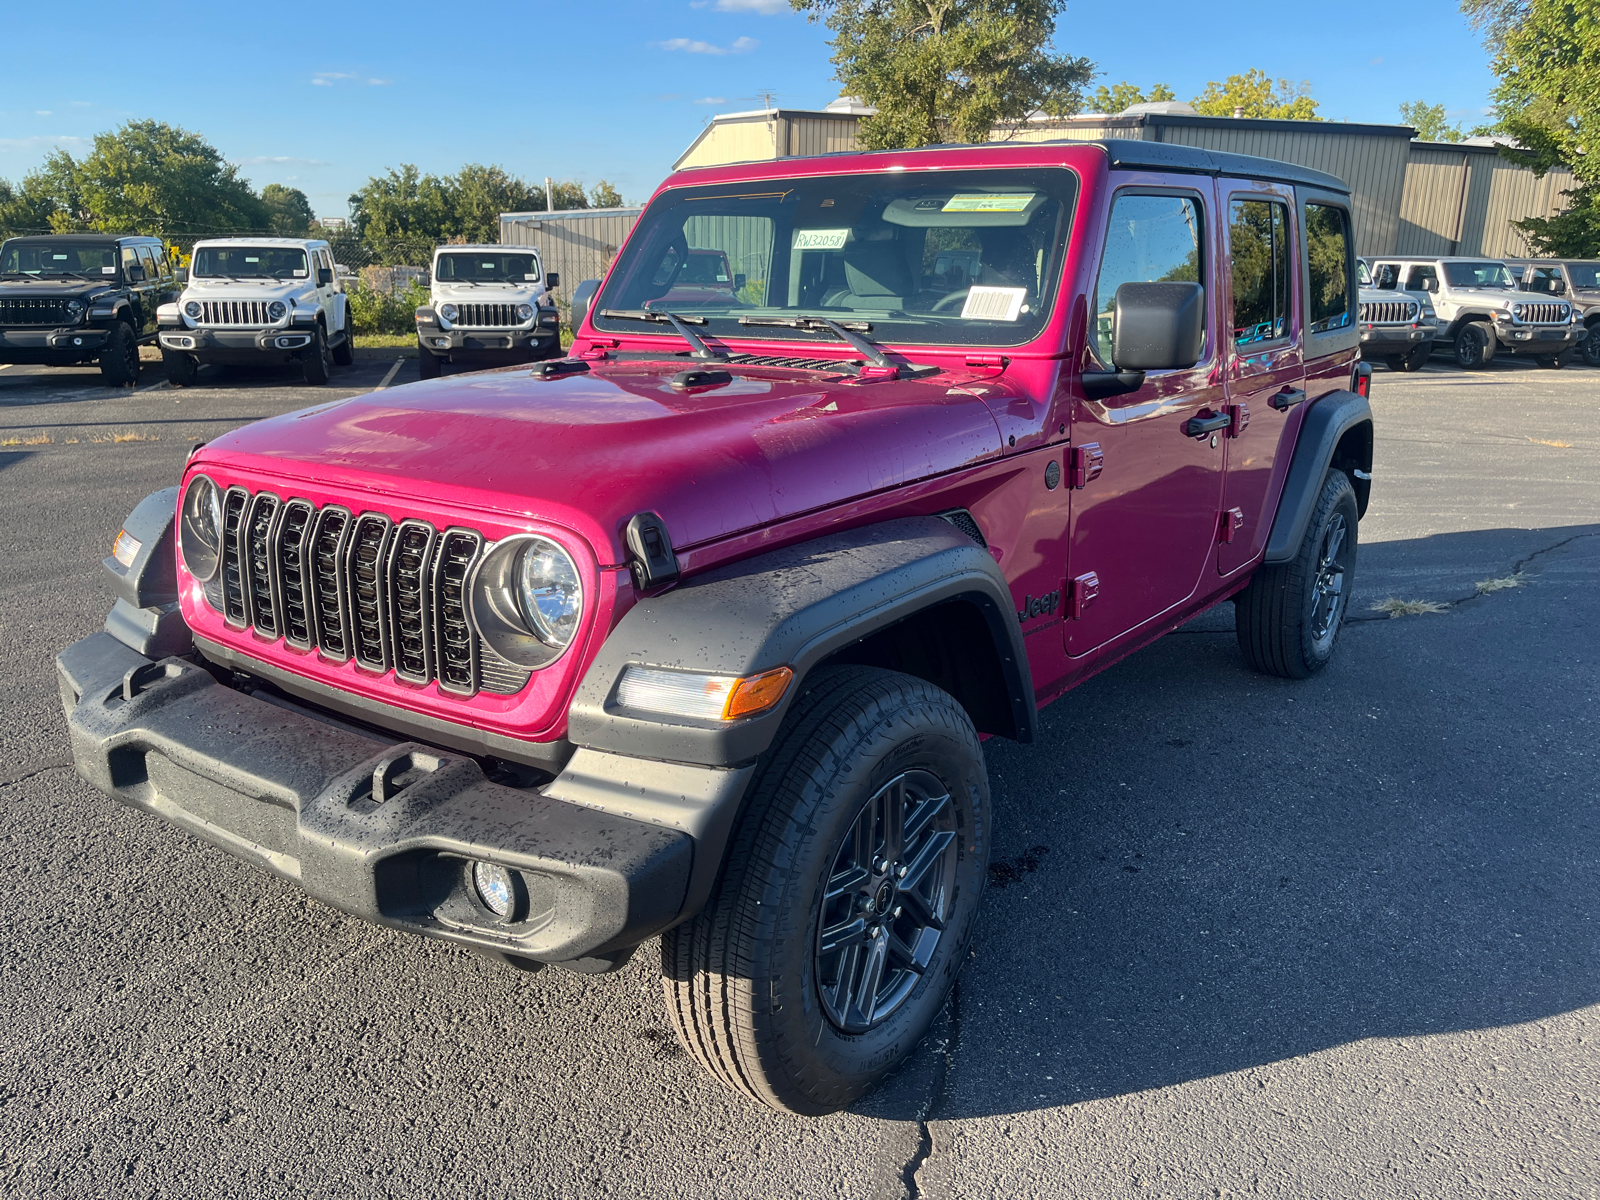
696	633
75	298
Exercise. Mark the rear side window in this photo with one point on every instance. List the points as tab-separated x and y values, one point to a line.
1258	239
1150	239
1328	260
1422	279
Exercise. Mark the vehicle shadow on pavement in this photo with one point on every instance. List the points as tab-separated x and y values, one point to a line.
1200	870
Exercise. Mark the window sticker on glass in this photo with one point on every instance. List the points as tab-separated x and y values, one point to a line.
247	258
1006	202
108	270
530	276
820	239
59	257
993	304
299	272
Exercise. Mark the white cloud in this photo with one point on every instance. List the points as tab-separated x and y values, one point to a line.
767	8
329	78
278	159
377	83
36	143
740	46
712	100
42	112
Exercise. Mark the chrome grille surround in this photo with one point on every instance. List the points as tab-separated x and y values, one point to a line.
241	314
390	596
486	316
1390	312
1542	314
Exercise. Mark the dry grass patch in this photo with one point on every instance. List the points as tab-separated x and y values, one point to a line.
1487	587
127	435
36	439
1549	442
1397	607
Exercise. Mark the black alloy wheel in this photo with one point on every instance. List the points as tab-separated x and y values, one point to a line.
1474	346
119	357
886	902
1591	346
1328	588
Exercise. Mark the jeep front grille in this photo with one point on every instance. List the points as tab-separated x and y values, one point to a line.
244	313
485	316
1542	314
390	596
22	311
1390	312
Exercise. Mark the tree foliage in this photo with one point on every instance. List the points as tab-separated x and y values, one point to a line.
949	70
1254	94
1547	58
404	206
1120	97
603	195
288	212
1430	121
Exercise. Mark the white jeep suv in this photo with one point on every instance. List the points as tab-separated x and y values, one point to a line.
259	299
487	305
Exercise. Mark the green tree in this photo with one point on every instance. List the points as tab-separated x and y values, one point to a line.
479	194
287	209
1547	58
1120	97
25	208
149	177
568	194
949	70
1429	121
603	195
1253	94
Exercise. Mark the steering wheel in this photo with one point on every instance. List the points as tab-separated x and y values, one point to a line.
949	301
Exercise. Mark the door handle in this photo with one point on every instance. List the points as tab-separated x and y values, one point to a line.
1200	426
1287	399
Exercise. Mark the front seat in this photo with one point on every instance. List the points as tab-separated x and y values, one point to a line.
876	273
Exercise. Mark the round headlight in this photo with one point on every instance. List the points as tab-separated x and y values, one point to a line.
276	310
200	528
193	309
524	312
1516	311
550	591
448	311
74	309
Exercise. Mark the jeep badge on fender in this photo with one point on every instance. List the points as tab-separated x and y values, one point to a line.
692	637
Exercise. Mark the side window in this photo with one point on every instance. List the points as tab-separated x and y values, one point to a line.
1422	279
130	258
1150	239
1388	277
1258	242
1328	263
1548	280
152	269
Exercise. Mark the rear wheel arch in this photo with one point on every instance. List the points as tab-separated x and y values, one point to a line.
1353	456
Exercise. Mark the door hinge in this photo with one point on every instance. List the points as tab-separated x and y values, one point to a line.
1084	590
1088	460
1232	521
1241	418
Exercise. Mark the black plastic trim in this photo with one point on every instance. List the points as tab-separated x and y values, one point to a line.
152	578
1327	420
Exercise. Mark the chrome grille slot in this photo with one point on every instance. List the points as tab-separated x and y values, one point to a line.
410	607
291	552
30	311
391	596
244	313
369	610
1390	312
256	547
331	604
485	316
457	646
1541	314
234	607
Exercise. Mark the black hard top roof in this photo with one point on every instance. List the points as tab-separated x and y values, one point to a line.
1127	155
84	237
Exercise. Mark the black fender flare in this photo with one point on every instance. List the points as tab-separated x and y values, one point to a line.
1336	419
146	616
792	607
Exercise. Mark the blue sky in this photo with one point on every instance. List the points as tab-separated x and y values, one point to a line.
611	89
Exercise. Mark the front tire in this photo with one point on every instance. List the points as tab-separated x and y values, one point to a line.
847	898
119	357
1289	617
428	366
314	358
181	368
345	352
1395	362
1474	346
1417	357
1591	346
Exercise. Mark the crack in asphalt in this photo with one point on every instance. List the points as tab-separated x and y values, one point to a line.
38	769
938	1093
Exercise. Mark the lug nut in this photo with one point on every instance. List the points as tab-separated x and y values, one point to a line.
898	909
880	866
900	871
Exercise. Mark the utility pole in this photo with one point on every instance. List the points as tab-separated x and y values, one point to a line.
549	195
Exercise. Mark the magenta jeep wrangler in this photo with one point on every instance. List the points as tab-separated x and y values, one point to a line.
697	633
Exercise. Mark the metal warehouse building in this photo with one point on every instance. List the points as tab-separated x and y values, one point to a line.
1410	197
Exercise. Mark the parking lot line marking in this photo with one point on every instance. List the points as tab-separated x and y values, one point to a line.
393	371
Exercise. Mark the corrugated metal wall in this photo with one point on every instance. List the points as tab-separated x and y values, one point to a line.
743	139
1463	200
811	134
579	243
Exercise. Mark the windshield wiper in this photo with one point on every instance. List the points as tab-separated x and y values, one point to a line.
681	324
75	274
849	333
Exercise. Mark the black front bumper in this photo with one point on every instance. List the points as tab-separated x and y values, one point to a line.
385	830
50	346
486	344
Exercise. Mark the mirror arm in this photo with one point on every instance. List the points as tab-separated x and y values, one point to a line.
1101	385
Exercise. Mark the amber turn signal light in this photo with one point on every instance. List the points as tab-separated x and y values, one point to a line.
126	548
758	693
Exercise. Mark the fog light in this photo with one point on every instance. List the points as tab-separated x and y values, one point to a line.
495	888
77	341
441	342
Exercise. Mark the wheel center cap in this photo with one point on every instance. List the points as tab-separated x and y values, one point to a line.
884	898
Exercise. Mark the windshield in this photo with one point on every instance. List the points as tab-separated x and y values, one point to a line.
479	267
1584	275
958	257
1362	274
50	258
249	262
1478	275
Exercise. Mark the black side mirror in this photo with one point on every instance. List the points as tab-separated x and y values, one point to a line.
182	274
1158	326
582	295
135	274
552	280
324	276
739	281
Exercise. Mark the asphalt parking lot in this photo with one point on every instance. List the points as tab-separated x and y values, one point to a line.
1243	937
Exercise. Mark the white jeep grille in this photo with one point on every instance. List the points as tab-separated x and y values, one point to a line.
1390	312
1543	314
242	313
485	316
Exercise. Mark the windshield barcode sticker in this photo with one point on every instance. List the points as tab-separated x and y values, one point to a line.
993	304
820	239
1012	202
